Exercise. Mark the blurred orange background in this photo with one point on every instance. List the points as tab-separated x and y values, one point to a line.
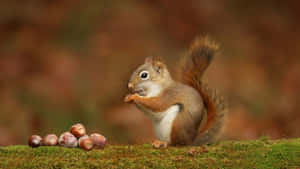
68	61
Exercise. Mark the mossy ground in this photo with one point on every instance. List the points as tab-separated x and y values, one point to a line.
261	153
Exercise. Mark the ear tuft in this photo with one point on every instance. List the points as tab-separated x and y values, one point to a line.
149	59
158	64
157	59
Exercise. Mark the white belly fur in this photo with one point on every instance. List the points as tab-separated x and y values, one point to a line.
163	121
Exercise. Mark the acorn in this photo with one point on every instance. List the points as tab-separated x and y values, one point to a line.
99	140
35	141
67	139
50	140
78	130
86	143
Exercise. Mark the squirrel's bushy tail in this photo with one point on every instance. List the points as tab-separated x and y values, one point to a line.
195	63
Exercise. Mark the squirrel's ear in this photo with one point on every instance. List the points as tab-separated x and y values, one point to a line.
158	65
156	62
149	59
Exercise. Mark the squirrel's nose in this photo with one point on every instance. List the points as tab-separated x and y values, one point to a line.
130	86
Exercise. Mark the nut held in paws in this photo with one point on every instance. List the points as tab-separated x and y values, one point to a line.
78	130
35	141
67	139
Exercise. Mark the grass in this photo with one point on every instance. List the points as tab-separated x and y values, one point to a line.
262	153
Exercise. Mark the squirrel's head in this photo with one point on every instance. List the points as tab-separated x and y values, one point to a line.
150	79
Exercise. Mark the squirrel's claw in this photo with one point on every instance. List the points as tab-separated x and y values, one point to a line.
130	98
159	144
127	98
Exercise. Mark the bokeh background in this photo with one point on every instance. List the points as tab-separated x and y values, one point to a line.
68	61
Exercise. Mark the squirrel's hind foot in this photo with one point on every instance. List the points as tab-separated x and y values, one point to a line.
159	144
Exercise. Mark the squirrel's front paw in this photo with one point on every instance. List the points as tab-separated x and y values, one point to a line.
130	98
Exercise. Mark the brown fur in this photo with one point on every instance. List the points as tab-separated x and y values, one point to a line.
185	125
200	55
193	97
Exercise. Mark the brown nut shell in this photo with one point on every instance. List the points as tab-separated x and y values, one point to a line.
86	143
50	140
35	141
78	130
99	140
67	139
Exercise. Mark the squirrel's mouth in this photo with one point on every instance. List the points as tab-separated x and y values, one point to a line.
140	91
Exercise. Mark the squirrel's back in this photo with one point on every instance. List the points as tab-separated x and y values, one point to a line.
195	63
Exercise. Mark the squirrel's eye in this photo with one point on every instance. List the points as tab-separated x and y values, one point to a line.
144	75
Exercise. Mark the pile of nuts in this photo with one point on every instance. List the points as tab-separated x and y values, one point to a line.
76	137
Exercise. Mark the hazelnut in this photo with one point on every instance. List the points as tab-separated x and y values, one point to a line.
99	140
67	139
86	143
78	130
50	140
35	141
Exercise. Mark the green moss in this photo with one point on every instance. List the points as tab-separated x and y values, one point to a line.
261	153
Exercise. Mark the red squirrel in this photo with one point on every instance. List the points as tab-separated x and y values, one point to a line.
184	112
